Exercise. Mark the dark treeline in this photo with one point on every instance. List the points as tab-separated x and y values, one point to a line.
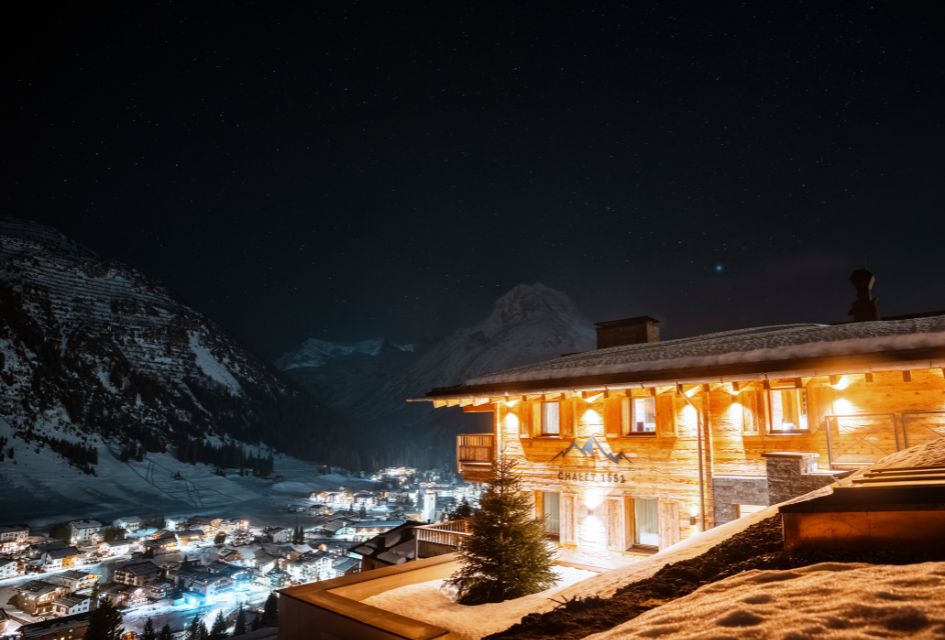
225	456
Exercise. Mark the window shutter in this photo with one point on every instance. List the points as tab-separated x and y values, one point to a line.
612	417
535	408
524	419
567	418
666	415
668	522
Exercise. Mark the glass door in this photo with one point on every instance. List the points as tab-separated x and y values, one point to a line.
646	523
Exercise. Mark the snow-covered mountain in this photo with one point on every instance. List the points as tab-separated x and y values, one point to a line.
314	353
92	351
527	324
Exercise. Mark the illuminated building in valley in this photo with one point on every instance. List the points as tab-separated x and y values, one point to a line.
641	443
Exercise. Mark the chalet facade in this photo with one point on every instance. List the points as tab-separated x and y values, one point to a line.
641	443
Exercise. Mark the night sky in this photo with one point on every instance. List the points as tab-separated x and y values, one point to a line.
350	171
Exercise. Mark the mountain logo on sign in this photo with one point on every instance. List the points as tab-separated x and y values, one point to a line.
592	449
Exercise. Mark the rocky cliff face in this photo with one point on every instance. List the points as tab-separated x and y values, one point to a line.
92	350
528	324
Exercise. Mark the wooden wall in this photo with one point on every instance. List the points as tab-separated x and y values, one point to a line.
866	420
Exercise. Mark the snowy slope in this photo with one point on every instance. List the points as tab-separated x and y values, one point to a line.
528	324
91	350
39	487
827	600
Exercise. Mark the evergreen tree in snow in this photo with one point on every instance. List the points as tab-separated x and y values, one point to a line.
104	623
218	630
166	633
240	627
506	555
196	630
148	632
270	614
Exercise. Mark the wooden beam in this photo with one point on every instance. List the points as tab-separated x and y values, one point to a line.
479	408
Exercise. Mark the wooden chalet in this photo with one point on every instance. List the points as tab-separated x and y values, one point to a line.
641	443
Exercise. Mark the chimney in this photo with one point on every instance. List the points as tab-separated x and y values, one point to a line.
864	308
615	333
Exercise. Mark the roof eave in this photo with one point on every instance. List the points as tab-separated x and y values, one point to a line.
793	367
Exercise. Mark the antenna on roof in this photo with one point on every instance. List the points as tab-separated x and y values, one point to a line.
865	307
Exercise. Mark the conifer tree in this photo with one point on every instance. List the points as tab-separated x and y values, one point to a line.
196	630
148	632
105	623
218	630
166	633
270	614
506	555
240	627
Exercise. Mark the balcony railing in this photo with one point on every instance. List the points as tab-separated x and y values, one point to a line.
474	455
443	537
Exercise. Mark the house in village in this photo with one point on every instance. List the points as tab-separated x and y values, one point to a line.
60	557
9	567
642	442
36	597
138	573
392	547
70	605
67	628
84	531
73	581
128	523
13	538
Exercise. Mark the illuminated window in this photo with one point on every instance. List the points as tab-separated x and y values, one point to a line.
646	530
788	409
551	418
639	415
551	512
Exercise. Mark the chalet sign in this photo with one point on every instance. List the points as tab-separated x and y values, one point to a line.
594	450
592	476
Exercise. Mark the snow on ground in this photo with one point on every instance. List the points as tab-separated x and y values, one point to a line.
827	600
213	368
427	601
41	488
928	454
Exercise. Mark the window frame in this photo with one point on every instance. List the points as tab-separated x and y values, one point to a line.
636	523
628	414
543	419
801	409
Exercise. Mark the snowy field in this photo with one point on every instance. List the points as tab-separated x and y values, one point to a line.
429	602
827	600
40	488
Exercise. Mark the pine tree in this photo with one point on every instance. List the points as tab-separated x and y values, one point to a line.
240	627
148	632
506	555
196	629
166	633
270	614
105	623
218	630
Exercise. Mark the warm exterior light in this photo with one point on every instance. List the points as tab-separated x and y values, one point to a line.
693	391
840	382
594	397
511	402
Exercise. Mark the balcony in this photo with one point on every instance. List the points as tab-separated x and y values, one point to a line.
474	455
442	537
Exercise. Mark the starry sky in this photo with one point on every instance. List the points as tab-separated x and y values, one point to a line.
348	170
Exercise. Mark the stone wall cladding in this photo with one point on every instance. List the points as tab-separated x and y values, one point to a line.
794	474
731	491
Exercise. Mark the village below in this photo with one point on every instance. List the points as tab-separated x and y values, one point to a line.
172	570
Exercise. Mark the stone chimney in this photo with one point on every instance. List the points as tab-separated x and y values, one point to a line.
615	333
865	307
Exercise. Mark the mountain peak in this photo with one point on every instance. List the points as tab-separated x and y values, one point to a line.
526	301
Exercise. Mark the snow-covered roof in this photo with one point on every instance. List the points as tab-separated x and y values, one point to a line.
742	348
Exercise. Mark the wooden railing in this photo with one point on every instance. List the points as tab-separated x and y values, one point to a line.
442	537
474	454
